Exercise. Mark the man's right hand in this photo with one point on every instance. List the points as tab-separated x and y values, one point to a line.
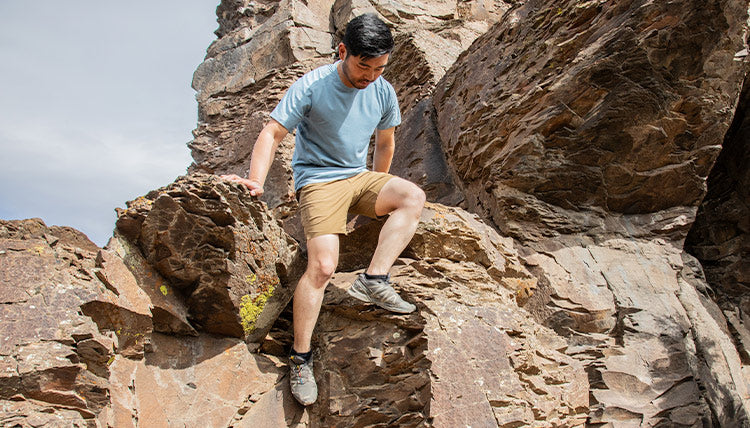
256	189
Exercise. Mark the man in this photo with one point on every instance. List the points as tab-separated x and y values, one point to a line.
335	109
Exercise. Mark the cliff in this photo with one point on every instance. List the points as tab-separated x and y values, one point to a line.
583	260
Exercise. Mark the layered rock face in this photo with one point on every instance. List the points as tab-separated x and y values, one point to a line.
568	145
156	329
592	106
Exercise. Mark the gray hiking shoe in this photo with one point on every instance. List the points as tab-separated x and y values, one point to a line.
380	293
302	381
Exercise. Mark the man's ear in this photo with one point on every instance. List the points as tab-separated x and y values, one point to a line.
342	51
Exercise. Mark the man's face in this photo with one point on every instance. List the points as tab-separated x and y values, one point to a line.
358	72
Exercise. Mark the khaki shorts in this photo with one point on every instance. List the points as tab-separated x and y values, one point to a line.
323	207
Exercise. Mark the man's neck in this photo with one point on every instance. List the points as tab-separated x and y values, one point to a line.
342	76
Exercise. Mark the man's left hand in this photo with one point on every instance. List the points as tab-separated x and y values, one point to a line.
256	189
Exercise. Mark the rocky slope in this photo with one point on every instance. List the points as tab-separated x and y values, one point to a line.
573	151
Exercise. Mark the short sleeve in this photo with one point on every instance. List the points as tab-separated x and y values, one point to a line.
293	106
391	114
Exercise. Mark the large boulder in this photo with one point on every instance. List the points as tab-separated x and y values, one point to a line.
600	107
168	309
205	381
220	249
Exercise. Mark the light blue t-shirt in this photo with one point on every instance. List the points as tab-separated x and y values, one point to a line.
334	123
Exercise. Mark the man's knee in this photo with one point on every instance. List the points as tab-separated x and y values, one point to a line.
414	198
321	269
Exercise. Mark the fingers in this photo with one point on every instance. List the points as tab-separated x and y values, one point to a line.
256	189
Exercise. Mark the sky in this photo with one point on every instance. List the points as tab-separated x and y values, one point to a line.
96	106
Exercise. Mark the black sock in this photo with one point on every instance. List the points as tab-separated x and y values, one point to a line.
381	277
305	355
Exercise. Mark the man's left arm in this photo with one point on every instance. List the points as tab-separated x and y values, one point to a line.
385	144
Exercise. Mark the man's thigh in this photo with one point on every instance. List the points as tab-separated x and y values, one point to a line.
323	208
367	186
398	193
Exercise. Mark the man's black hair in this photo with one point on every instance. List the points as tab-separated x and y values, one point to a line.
368	37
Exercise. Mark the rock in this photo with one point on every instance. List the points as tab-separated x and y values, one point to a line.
61	325
36	414
448	233
650	340
197	381
419	60
720	236
290	32
35	228
168	309
219	249
584	107
419	158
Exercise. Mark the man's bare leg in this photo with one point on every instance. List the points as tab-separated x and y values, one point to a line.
323	256
404	200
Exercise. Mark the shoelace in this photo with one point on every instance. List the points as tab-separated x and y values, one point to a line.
298	369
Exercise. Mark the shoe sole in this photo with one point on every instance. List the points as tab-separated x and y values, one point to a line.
365	298
305	402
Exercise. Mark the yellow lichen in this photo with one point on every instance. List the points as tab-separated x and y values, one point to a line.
250	309
38	250
164	290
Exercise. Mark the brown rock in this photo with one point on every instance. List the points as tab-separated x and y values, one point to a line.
289	32
35	228
53	358
720	236
197	381
219	249
445	233
648	337
584	107
169	313
419	158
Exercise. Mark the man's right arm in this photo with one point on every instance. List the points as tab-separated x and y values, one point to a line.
262	158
